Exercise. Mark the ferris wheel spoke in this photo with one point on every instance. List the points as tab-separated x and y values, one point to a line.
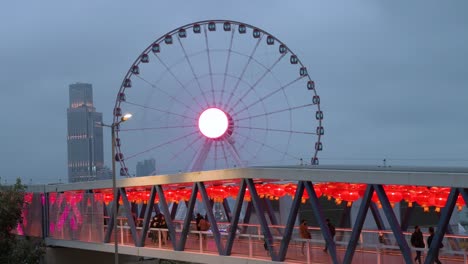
244	145
244	69
161	145
234	153
275	112
224	154
209	63
216	155
200	157
156	128
250	153
278	130
190	145
189	62
226	68
168	69
262	144
160	110
269	94
163	91
267	70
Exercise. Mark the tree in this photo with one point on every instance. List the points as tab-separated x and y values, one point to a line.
13	248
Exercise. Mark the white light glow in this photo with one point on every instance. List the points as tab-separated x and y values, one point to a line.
213	123
126	117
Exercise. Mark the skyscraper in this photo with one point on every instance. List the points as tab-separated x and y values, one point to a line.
146	167
85	139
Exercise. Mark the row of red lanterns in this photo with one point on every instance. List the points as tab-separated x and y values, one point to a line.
348	192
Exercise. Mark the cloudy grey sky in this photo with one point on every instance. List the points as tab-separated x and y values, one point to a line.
392	75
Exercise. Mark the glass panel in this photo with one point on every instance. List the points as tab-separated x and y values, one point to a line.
32	216
76	216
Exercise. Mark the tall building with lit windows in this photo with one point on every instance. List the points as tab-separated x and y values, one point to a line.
85	139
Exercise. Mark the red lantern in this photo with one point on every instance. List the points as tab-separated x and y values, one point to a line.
130	196
394	193
440	200
218	193
278	192
350	196
232	191
262	190
423	199
52	198
460	202
376	200
328	189
412	192
28	198
290	189
210	191
184	194
78	197
341	191
170	196
318	191
305	196
247	196
352	192
108	197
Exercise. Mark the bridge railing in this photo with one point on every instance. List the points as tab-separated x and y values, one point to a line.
252	245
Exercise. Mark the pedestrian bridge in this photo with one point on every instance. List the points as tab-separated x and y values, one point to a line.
245	227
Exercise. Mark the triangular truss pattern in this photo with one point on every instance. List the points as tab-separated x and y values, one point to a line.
263	209
393	222
112	218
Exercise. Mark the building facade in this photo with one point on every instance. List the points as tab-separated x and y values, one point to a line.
85	135
146	167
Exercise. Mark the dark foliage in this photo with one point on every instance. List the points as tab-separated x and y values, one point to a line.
13	248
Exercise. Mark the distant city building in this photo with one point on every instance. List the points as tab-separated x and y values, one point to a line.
104	174
146	167
85	139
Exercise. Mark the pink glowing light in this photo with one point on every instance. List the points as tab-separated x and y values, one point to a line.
213	123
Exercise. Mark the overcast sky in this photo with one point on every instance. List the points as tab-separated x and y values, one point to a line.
392	75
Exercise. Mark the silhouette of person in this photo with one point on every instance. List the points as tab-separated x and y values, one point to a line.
429	241
304	233
417	241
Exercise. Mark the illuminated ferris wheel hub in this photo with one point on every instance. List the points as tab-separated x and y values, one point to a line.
214	123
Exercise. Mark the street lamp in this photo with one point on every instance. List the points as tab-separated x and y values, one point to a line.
114	185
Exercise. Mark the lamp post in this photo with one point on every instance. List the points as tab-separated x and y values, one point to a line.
114	185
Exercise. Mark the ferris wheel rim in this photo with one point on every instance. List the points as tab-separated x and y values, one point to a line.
173	32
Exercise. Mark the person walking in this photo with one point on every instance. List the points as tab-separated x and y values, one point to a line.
331	227
304	233
197	224
153	233
417	241
197	220
429	241
381	238
163	225
204	226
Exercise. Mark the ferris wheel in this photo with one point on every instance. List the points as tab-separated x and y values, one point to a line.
217	94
